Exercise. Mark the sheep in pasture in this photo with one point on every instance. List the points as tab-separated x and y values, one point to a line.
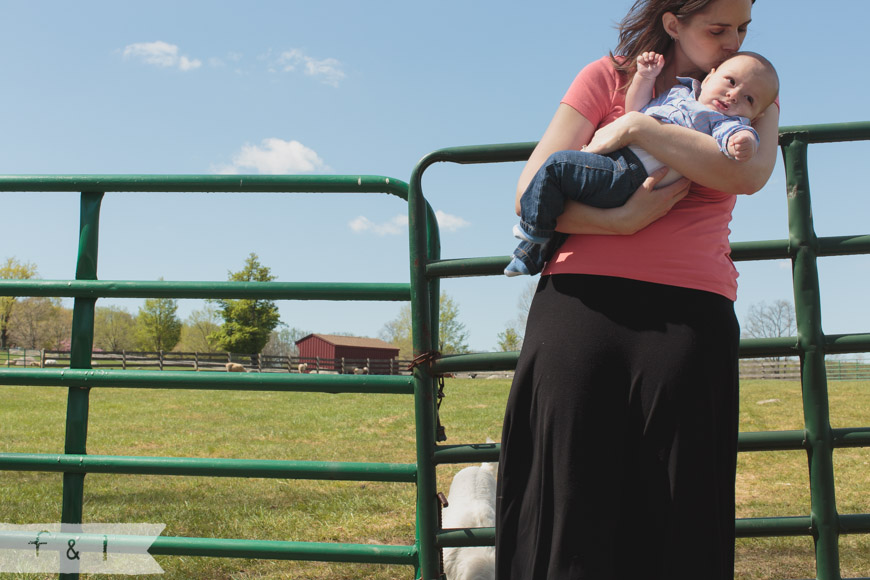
361	371
235	368
50	362
303	368
471	504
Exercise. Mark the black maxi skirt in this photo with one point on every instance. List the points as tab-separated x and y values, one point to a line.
619	447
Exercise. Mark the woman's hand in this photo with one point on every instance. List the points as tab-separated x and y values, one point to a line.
617	134
643	208
649	204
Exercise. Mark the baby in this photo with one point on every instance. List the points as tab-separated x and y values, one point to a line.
722	105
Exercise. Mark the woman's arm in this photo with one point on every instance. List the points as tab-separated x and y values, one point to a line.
567	130
695	154
571	130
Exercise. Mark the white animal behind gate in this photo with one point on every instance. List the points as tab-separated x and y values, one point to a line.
471	504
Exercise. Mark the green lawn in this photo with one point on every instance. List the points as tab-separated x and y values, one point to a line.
309	426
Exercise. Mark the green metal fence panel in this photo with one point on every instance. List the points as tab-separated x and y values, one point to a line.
818	439
80	378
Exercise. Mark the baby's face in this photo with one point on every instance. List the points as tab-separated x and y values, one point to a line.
741	86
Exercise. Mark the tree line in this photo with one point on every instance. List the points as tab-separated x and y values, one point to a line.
249	326
243	325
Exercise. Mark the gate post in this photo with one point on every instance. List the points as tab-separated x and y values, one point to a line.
81	346
424	246
803	247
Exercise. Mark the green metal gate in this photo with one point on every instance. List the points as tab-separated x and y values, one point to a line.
819	440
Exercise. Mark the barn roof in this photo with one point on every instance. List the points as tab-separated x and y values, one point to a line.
357	341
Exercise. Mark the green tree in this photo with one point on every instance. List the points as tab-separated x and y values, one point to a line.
114	328
247	323
509	339
398	332
452	335
11	270
157	325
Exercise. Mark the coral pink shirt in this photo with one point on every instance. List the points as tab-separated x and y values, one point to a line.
688	247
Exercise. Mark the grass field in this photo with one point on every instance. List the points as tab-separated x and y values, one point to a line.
362	428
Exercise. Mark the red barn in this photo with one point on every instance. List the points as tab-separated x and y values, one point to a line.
343	354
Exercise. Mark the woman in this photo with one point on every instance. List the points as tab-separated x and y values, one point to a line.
619	444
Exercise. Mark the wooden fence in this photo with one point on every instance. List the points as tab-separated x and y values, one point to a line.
790	370
217	361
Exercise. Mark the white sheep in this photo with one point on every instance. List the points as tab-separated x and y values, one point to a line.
303	368
471	504
361	371
235	368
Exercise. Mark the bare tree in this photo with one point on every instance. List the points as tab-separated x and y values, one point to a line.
770	320
283	342
58	327
29	322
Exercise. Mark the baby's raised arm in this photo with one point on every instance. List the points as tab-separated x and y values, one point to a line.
640	92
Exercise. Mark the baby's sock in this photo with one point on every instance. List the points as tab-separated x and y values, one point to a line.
516	268
522	234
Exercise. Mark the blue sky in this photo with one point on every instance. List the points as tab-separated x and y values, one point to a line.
352	87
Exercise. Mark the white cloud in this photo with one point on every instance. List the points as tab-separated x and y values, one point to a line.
329	70
273	157
450	223
161	54
399	224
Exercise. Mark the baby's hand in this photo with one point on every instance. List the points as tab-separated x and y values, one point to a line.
742	145
650	64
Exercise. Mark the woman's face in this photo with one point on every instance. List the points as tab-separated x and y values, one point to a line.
706	38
